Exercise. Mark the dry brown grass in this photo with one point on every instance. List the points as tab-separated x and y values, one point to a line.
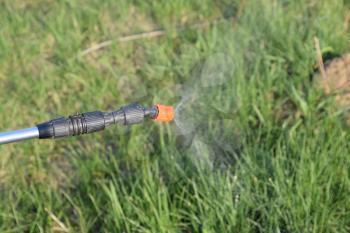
337	80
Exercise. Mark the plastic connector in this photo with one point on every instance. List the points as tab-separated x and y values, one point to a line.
78	124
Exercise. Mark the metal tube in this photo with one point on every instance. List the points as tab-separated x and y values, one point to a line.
19	135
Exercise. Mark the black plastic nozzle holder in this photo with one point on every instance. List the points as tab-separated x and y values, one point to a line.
89	122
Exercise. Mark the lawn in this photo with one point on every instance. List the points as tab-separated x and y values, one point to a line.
256	146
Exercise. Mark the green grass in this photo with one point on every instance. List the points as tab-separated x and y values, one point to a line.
276	160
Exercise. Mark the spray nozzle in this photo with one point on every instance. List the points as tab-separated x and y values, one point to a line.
165	113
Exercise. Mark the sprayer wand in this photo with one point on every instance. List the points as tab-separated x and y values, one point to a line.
89	122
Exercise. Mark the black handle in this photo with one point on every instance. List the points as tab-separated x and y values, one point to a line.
90	122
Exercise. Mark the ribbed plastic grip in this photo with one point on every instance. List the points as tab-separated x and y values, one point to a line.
60	127
84	123
78	124
94	121
134	114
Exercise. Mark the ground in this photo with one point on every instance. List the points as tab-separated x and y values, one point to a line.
270	150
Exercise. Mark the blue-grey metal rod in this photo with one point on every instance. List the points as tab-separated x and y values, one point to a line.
19	135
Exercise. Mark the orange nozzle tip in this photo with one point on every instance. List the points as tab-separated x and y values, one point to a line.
165	113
